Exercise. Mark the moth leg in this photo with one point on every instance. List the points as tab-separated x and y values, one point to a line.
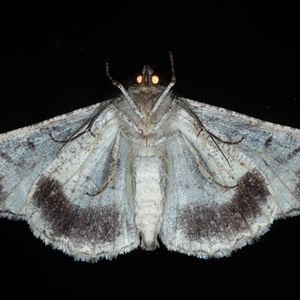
112	167
161	122
129	137
165	116
165	138
126	119
166	91
200	125
84	128
120	86
201	165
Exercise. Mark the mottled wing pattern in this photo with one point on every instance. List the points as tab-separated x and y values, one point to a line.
273	148
215	179
78	200
25	152
222	195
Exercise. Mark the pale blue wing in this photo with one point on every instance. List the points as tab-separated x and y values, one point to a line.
222	195
274	148
68	178
82	202
25	152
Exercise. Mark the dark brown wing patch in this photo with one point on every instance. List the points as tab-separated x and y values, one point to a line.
229	219
68	220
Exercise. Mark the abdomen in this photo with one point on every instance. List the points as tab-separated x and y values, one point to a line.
149	185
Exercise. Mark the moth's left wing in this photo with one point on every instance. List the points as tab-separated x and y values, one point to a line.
25	152
227	181
78	199
81	203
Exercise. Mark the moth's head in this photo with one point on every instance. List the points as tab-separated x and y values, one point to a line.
147	78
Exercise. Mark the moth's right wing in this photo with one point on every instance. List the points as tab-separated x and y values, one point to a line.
223	193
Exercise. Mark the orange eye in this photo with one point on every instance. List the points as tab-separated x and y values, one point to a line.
139	79
155	79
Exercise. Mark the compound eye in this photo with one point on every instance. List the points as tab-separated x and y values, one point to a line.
139	79
155	79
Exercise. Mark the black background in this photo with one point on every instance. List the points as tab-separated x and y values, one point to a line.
236	54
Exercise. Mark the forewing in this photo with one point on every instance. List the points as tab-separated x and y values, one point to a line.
274	148
25	152
222	195
81	203
67	176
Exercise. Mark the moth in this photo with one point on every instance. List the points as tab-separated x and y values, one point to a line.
103	180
